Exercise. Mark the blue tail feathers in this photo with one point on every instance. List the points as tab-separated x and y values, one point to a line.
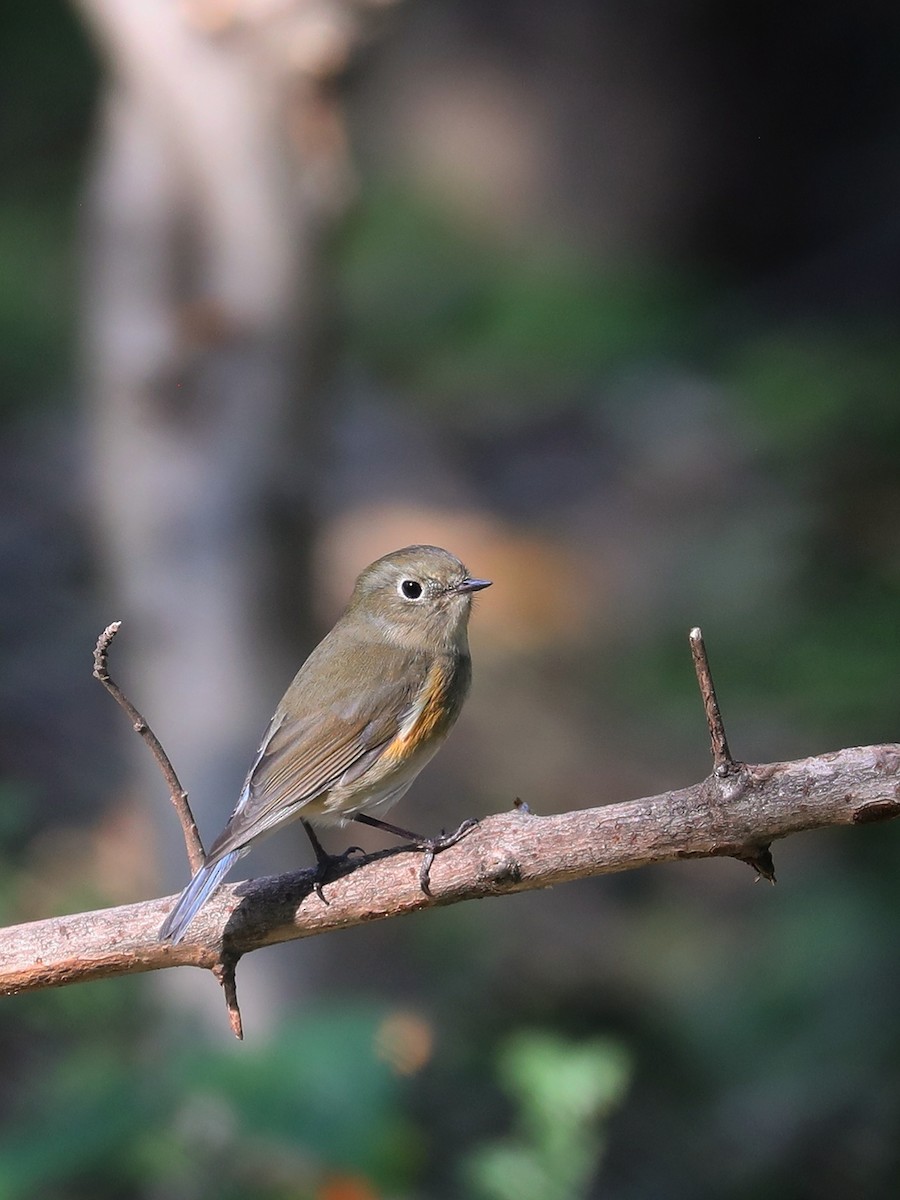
195	895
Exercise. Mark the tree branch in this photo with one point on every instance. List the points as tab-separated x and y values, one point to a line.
738	815
738	811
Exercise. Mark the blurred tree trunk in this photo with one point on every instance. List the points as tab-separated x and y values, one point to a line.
220	161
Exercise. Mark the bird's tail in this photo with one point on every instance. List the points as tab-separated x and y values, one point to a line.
195	895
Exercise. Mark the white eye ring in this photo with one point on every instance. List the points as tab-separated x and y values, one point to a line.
410	589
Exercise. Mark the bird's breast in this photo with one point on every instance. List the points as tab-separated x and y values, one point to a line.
435	709
420	735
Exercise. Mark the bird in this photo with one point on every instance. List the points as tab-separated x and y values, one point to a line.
368	709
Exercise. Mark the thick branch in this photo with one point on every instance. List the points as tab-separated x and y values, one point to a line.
738	815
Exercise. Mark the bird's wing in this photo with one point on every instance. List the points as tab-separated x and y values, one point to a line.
307	751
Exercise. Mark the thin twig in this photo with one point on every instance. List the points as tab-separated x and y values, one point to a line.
177	794
723	763
759	855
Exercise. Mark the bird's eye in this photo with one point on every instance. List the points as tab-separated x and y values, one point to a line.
411	589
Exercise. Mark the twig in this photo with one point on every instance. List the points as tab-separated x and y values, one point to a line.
177	794
723	763
224	970
727	773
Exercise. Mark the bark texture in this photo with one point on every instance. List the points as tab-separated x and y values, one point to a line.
738	815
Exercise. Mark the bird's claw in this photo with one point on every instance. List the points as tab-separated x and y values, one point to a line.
326	864
435	845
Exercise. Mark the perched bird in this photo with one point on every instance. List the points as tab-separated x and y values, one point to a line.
364	714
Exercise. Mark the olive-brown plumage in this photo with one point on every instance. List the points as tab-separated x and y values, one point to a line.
363	715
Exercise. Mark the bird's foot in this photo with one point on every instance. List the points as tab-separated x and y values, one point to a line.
326	864
435	845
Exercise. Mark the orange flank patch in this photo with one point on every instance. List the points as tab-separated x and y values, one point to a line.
433	711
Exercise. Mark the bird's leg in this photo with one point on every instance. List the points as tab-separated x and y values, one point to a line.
325	861
431	845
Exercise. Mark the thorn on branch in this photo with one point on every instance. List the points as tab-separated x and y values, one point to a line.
760	859
177	794
224	971
723	763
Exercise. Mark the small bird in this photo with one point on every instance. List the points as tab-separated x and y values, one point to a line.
364	714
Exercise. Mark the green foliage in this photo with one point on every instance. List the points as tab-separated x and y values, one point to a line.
444	309
36	298
49	78
563	1093
806	384
319	1084
265	1122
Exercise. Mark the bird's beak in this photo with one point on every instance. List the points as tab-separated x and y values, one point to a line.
473	585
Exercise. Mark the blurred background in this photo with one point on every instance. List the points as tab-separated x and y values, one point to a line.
603	297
